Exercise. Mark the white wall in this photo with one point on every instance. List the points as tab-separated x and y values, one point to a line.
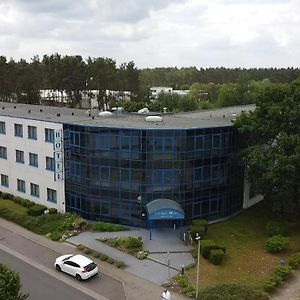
40	176
248	202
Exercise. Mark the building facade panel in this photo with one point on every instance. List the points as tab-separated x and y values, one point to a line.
33	149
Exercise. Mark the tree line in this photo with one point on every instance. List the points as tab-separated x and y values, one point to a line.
21	81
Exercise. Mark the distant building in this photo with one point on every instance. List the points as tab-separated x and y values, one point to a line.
157	90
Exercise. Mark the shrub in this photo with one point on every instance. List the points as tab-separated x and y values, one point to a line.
275	228
96	254
232	292
294	260
270	285
23	202
80	247
55	236
120	264
36	210
134	243
276	243
110	260
182	281
108	227
87	251
7	196
206	246
201	222
283	272
52	211
216	256
190	290
103	257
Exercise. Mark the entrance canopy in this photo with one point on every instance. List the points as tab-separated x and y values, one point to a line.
164	209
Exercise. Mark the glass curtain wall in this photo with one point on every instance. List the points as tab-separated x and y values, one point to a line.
111	174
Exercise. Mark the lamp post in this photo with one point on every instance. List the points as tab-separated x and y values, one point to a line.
198	238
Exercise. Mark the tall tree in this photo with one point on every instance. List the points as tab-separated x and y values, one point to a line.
272	146
10	284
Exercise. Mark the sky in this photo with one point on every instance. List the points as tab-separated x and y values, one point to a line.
156	33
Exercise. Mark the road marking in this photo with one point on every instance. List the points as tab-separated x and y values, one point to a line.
52	273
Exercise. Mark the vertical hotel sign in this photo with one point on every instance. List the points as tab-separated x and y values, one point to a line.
58	155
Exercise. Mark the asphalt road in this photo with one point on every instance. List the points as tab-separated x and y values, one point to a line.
39	284
40	259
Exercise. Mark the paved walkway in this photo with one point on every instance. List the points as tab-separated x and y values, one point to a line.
136	287
165	244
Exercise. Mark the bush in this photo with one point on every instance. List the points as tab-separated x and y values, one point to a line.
283	272
87	251
52	211
24	202
55	236
232	292
7	196
216	256
270	285
103	257
206	246
110	260
190	290
96	254
120	264
294	260
201	222
134	243
182	281
80	247
36	210
108	227
275	228
276	243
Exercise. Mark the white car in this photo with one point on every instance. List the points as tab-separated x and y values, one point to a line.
78	266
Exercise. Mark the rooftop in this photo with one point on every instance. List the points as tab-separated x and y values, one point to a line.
196	119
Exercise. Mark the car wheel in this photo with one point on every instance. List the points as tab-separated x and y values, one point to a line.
58	268
78	277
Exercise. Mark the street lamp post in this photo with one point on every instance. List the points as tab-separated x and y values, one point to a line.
198	238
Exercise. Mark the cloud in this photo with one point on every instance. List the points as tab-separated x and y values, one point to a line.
202	33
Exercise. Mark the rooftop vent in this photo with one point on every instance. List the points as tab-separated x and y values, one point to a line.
105	113
154	119
72	114
3	107
58	115
15	107
41	110
29	111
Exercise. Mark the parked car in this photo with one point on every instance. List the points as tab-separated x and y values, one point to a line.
78	266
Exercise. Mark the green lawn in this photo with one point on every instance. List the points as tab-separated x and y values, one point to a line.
246	260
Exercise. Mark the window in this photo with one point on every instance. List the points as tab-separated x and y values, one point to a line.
20	156
21	185
34	190
49	135
51	195
3	152
4	180
2	127
19	130
32	132
50	164
33	160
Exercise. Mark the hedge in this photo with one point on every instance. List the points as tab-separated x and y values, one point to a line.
216	256
36	210
206	246
276	243
294	260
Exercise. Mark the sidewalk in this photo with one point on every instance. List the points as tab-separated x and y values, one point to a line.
155	267
136	287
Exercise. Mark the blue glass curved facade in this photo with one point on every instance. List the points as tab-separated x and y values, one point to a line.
112	173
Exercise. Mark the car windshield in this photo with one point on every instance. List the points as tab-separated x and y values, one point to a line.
68	257
90	267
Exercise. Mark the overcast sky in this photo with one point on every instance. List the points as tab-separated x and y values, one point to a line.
156	33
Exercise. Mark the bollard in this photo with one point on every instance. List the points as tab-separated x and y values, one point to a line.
182	270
